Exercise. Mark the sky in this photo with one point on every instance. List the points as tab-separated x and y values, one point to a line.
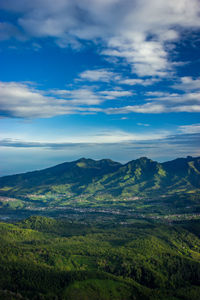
114	79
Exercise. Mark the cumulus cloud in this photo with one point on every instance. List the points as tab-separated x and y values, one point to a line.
102	75
23	100
20	100
115	94
89	96
138	32
147	58
187	83
138	81
174	98
107	76
84	96
163	102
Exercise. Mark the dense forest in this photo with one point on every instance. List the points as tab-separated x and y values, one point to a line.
47	258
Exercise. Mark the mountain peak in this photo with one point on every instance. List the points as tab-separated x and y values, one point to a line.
144	158
83	159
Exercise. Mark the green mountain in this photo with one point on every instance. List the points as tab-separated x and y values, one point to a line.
108	179
146	177
72	177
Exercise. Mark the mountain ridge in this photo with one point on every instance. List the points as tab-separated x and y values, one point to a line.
84	176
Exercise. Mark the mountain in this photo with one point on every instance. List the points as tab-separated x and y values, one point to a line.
133	178
106	178
146	177
184	171
73	176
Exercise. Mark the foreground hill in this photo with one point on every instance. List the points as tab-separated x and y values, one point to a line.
108	179
43	258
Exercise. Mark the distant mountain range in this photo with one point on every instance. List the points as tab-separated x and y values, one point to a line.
107	179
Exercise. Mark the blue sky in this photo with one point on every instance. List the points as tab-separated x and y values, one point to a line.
98	78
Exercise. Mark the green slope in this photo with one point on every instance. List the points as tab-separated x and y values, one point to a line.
146	177
106	178
69	177
135	177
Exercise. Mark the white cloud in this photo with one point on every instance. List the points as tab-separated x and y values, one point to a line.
153	108
115	94
148	108
105	75
190	98
187	84
137	81
147	58
98	75
98	137
189	129
143	124
90	97
25	101
84	96
157	94
138	31
186	108
118	136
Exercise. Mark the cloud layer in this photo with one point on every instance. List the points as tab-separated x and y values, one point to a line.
140	32
22	100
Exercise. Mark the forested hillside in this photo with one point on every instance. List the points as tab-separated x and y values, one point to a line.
44	258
